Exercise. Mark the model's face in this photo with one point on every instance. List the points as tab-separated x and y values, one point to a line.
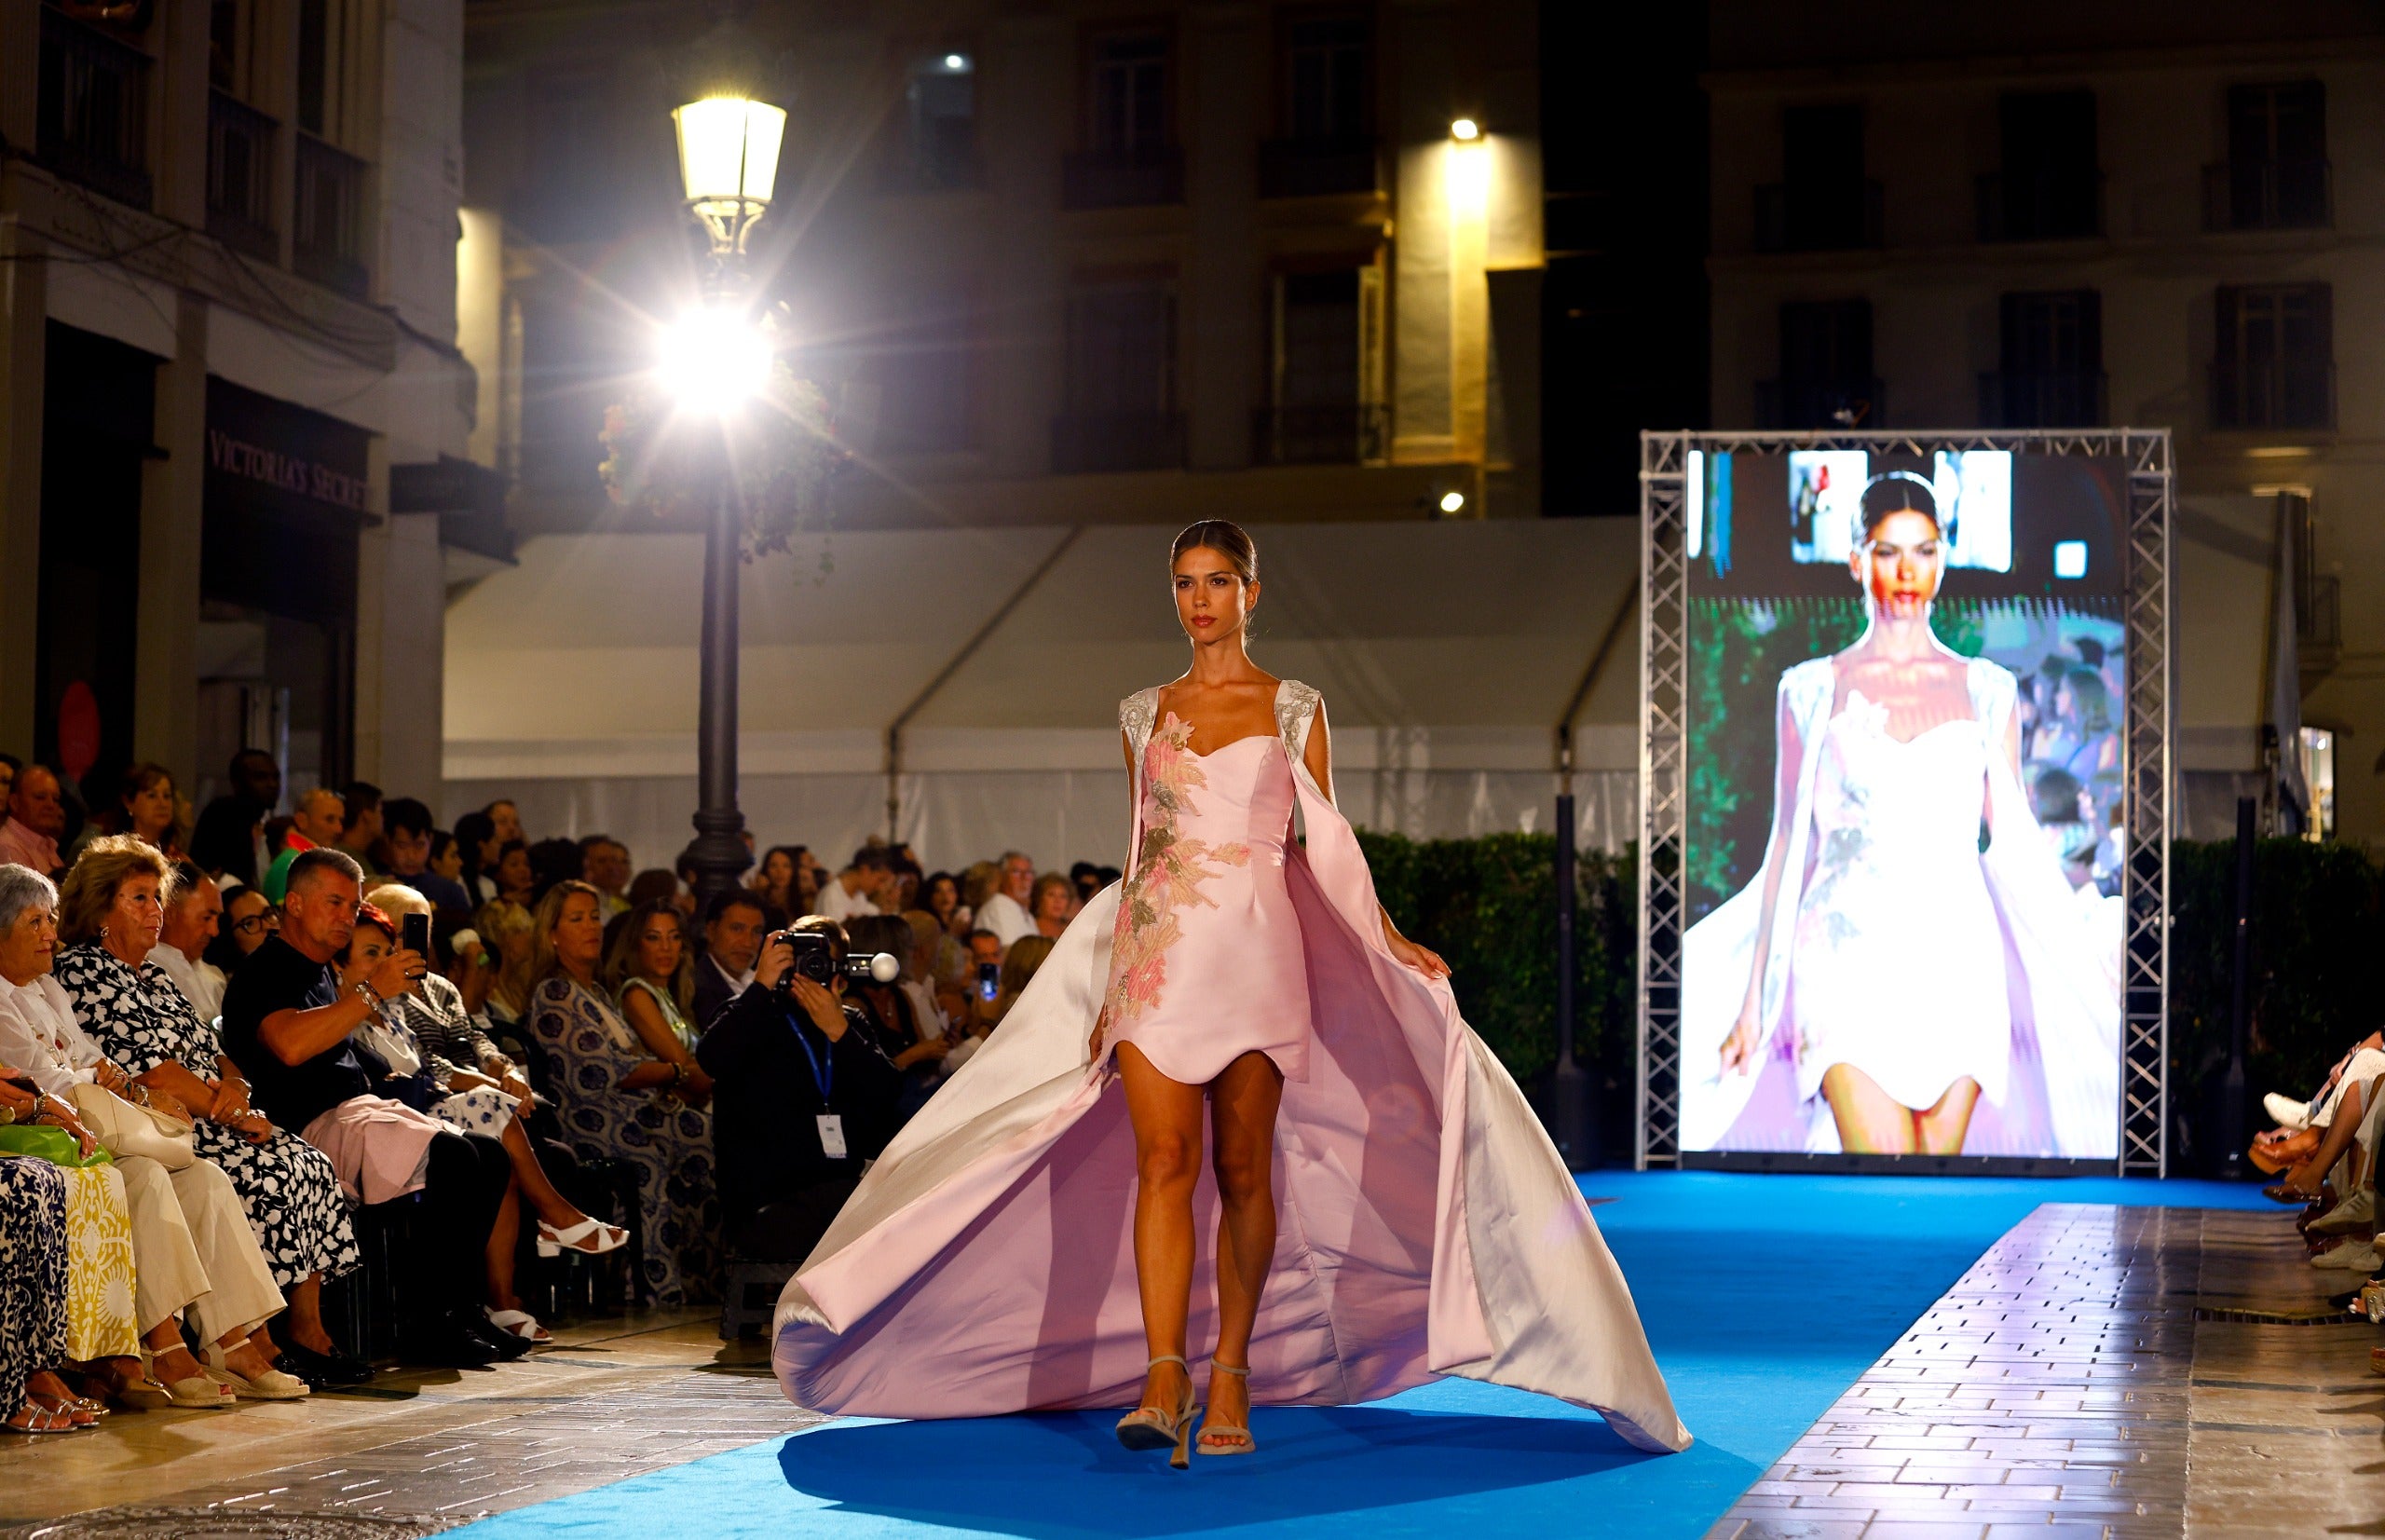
151	809
579	930
735	939
27	946
1212	602
251	919
136	916
659	947
1901	566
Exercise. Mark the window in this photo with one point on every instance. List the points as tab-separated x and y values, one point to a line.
1128	95
2048	188
2276	176
1325	80
335	40
2273	364
1825	368
1324	403
940	122
314	64
2051	370
925	366
1823	201
1120	390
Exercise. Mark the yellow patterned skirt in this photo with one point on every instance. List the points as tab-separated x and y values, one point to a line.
99	1266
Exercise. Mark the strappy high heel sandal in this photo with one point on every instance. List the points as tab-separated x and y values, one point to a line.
1248	1444
1149	1427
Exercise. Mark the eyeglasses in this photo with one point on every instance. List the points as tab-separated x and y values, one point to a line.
252	924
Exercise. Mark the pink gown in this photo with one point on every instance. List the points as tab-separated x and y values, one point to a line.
1425	1224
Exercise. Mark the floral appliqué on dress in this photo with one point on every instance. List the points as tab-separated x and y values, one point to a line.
1168	872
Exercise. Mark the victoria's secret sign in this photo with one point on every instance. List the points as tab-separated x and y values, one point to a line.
274	457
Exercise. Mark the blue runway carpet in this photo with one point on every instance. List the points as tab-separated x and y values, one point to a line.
1765	1297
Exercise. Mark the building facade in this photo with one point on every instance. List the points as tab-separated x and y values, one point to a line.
232	413
2043	216
1078	263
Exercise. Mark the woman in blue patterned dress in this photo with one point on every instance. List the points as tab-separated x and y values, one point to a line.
33	1289
616	1100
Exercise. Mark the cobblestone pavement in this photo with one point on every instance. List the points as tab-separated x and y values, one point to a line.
409	1454
2094	1377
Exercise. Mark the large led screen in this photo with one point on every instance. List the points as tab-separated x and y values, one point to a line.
1906	702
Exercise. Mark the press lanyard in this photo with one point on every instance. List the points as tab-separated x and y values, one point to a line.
823	1071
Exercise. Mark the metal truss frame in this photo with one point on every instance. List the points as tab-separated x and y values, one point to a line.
1664	756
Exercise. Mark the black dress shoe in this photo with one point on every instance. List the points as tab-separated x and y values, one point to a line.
323	1371
504	1344
445	1344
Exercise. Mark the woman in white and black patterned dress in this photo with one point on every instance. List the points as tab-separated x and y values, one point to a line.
33	1287
137	1015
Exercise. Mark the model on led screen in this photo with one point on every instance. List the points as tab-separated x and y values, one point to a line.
1909	906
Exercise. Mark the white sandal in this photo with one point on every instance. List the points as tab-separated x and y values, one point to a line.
521	1324
608	1238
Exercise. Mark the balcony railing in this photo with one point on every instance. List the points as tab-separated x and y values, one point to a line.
2042	398
1117	440
1819	216
2269	195
240	177
328	230
1120	179
91	125
1312	168
1320	435
2274	393
2041	205
1815	403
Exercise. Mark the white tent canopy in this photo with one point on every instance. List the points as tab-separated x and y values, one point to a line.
1447	652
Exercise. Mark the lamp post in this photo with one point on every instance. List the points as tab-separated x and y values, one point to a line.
714	362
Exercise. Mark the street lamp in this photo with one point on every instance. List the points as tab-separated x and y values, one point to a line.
714	362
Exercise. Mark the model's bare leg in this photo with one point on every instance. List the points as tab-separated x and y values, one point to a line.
1166	1115
1870	1121
1940	1130
1242	1128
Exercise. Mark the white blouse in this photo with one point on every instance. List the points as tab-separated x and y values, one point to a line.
41	1035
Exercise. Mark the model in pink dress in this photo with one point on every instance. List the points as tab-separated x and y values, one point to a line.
1377	1206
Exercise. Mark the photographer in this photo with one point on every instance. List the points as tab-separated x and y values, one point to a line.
802	1097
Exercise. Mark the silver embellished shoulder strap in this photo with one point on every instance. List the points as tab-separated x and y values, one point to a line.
1138	713
1296	707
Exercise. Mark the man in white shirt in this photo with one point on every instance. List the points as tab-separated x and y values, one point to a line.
857	890
192	920
1005	913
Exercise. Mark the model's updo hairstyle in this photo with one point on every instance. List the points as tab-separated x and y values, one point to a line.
1224	536
1898	492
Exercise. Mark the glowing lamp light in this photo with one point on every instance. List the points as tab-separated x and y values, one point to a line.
1452	502
728	163
956	62
2070	558
713	361
1466	130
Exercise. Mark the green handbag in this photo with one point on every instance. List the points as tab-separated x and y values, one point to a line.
54	1145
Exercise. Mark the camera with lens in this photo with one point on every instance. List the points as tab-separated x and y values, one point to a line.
815	958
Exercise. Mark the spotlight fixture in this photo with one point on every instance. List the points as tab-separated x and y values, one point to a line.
1452	502
1466	130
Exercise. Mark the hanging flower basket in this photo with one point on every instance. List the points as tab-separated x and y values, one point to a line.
775	457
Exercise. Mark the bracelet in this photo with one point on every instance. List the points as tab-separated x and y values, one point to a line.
678	1073
7	1116
363	991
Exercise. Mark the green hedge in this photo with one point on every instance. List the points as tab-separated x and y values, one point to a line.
1488	905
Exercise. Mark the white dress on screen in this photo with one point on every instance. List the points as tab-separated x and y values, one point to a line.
1898	964
1881	945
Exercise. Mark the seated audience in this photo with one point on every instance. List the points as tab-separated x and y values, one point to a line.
605	865
553	861
505	928
1019	963
289	1025
248	920
1086	878
516	879
778	880
651	971
734	925
506	819
37	821
406	841
617	1101
360	833
146	806
194	919
477	848
1053	906
321	818
803	1099
110	916
470	1102
656	885
34	1263
230	838
192	1248
912	1040
9	766
1008	912
940	896
857	888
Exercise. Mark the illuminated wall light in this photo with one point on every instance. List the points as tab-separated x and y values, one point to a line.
956	62
1466	130
1452	502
